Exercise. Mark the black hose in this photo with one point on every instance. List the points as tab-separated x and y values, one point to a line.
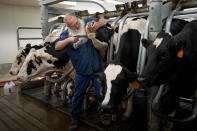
62	78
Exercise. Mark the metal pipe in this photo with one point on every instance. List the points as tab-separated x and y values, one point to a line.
142	50
176	12
122	24
24	27
111	46
110	14
155	108
56	25
28	27
33	38
189	4
44	20
185	12
169	20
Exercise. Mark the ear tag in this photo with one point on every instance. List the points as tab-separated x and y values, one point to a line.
135	85
180	53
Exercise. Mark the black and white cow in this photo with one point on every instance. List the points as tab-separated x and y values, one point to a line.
119	74
172	60
42	61
23	52
48	59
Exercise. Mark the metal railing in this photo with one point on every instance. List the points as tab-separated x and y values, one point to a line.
26	38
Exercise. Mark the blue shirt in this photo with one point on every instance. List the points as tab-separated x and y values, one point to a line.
85	59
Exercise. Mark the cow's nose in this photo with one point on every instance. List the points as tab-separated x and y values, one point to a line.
18	78
107	108
11	73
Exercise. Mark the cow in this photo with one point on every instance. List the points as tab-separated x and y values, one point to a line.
23	52
172	61
42	61
48	59
122	71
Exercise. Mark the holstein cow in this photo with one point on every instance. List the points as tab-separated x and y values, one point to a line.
48	59
23	52
42	61
122	71
172	60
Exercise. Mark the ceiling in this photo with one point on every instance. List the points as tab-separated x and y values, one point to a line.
29	3
20	2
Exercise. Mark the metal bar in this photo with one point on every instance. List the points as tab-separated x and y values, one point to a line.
185	12
176	12
155	26
122	24
110	14
59	11
44	20
28	38
56	25
169	20
189	4
24	27
142	50
111	46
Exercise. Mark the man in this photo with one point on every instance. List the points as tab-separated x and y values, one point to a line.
84	57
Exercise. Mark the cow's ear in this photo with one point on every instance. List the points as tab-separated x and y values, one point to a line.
28	46
146	42
131	76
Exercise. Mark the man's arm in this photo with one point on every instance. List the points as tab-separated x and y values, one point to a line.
63	43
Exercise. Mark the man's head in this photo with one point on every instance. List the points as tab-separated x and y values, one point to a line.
72	21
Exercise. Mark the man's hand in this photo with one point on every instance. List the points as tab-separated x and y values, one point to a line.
73	39
95	25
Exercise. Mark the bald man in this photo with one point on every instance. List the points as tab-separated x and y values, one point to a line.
84	58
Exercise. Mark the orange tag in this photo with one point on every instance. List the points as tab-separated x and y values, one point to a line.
135	85
180	53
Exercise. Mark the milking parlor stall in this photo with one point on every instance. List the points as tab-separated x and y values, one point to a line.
148	53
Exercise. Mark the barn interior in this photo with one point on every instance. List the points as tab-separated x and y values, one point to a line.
44	101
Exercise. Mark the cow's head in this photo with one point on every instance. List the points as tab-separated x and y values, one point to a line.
104	33
19	59
115	82
37	62
162	57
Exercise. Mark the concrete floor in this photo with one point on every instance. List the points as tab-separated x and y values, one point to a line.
20	112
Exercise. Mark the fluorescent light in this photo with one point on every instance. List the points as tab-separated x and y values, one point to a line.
68	3
114	2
